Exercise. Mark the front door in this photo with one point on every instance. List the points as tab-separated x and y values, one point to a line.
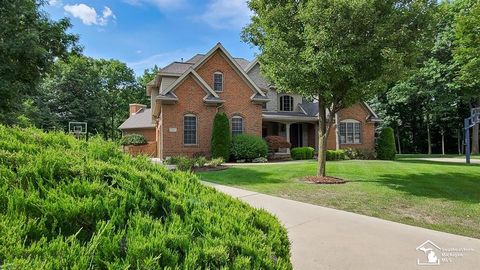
296	138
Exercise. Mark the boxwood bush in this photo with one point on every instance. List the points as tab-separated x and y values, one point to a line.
133	139
302	153
70	204
248	147
337	155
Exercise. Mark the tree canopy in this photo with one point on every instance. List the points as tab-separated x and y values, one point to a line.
30	42
338	52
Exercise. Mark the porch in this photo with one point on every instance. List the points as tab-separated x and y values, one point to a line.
299	134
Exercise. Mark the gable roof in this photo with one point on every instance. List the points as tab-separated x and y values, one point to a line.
141	119
196	77
179	68
233	63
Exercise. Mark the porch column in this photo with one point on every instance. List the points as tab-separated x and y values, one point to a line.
316	137
287	133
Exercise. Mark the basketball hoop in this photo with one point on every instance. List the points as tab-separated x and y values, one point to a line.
469	123
78	129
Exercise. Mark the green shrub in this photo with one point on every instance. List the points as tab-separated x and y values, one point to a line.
215	162
71	204
386	144
221	139
133	139
248	147
360	153
200	161
336	155
298	153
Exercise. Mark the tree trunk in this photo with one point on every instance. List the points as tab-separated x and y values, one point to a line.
399	146
429	139
322	138
459	141
443	141
475	146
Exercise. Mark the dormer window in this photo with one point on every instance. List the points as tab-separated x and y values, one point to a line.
286	103
218	82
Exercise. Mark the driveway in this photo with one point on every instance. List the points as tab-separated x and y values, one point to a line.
324	238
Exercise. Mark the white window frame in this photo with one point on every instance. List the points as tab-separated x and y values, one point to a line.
196	128
243	125
352	126
223	79
282	103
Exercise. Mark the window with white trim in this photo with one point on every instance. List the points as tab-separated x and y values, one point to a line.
237	125
286	103
218	82
190	129
349	132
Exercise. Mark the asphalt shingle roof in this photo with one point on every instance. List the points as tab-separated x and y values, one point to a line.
142	119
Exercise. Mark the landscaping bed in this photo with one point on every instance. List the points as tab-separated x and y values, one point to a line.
70	204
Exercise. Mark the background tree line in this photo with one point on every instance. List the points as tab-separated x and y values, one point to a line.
427	108
45	80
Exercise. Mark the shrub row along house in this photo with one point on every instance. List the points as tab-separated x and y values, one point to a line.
185	96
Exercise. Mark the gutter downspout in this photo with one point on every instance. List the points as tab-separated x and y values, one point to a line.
337	136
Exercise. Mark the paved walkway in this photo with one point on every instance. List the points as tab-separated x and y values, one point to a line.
324	238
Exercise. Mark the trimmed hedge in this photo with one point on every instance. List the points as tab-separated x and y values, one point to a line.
386	144
70	204
133	139
248	147
336	155
221	139
298	153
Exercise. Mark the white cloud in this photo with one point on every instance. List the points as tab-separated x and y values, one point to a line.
54	3
227	14
162	4
89	15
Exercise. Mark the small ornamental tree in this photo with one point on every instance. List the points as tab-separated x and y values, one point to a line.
386	144
221	139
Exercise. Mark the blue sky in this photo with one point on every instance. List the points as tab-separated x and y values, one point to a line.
143	33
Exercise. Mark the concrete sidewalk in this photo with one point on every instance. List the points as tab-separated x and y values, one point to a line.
324	238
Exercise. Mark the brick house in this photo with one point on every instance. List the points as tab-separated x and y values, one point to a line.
185	96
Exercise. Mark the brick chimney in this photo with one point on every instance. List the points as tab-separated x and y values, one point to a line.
135	107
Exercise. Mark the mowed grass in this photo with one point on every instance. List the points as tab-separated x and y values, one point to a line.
439	196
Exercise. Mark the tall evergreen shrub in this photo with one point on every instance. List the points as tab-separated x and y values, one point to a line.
386	144
221	139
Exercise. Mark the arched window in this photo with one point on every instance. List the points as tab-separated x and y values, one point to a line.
286	103
189	129
237	125
218	82
349	132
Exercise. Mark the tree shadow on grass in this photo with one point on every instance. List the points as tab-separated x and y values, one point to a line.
456	186
242	176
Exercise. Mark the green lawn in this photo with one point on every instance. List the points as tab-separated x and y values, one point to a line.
440	196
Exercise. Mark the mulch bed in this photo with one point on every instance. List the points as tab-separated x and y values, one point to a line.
210	169
323	180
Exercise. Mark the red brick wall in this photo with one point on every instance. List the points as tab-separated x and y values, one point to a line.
149	149
149	133
236	94
357	112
